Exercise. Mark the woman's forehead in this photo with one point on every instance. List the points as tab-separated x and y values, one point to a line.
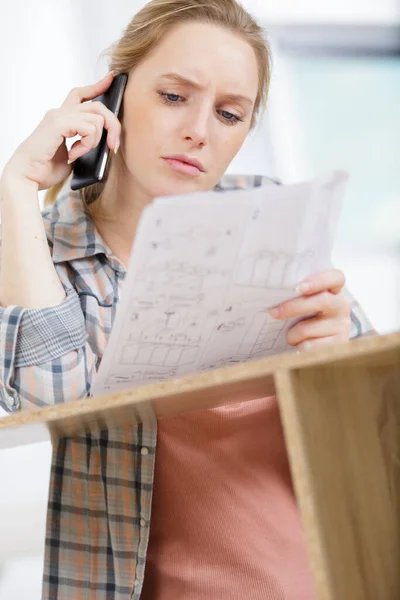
202	57
214	40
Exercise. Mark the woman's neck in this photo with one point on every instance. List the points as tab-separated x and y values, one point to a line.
121	202
117	237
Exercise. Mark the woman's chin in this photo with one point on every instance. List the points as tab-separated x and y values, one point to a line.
174	188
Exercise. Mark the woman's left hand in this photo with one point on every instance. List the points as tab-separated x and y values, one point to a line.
320	296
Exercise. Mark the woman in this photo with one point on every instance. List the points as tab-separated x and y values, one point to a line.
214	515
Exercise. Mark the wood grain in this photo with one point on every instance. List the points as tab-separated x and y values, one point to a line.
342	431
223	386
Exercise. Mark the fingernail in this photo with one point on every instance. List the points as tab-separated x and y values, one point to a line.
274	312
70	161
302	288
117	146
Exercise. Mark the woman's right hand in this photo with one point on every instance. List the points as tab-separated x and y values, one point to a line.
43	157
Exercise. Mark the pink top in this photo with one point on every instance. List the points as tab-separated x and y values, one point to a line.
225	524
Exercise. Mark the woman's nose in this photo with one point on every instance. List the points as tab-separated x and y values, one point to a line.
196	127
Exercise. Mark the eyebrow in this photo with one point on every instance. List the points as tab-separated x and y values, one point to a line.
180	79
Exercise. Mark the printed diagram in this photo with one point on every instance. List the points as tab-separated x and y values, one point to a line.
160	355
179	280
262	335
196	232
118	381
238	340
169	338
173	234
273	270
203	276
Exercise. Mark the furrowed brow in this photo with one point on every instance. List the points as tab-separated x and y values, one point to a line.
185	81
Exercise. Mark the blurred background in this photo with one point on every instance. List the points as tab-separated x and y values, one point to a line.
334	104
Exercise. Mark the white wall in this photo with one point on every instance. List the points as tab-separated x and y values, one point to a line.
339	11
39	61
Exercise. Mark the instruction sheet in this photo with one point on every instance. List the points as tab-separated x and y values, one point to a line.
204	269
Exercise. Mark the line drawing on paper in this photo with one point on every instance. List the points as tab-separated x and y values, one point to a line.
160	355
194	233
169	338
272	270
258	337
262	335
188	278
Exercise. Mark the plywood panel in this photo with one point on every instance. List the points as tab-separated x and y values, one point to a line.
208	389
342	427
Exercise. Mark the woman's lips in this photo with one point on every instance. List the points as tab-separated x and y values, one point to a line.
182	167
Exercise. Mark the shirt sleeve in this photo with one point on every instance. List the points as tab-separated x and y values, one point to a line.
44	355
360	322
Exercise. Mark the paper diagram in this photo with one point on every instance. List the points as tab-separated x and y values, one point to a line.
118	380
244	337
262	335
203	274
170	338
160	355
179	280
195	233
273	270
164	344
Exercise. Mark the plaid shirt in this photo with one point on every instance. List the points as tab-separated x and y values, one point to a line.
98	518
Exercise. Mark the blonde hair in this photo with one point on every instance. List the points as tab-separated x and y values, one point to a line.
146	30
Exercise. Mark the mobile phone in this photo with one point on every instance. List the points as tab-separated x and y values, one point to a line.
90	168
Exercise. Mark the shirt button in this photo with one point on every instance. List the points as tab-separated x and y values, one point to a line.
10	401
144	451
142	522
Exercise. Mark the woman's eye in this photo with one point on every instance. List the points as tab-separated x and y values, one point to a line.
169	98
173	99
230	117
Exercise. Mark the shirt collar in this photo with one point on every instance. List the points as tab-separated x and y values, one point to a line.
75	236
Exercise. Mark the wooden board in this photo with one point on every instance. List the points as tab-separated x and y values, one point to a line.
342	430
228	385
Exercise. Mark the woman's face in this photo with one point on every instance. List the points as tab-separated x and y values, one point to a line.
206	119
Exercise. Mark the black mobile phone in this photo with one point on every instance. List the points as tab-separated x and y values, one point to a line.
90	168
